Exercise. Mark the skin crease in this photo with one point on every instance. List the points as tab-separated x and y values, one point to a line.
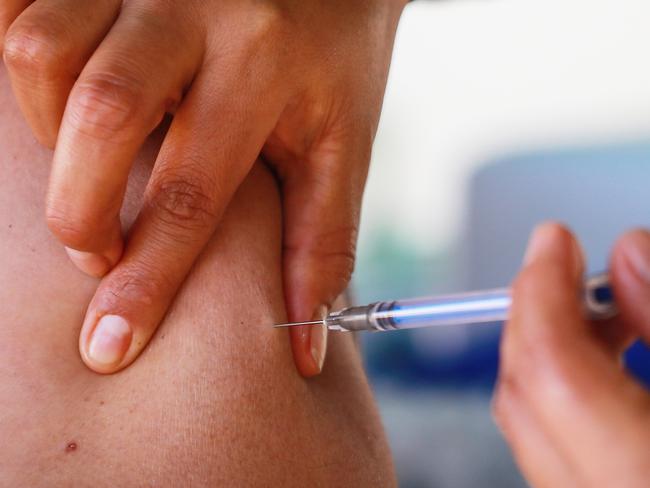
300	82
215	400
569	410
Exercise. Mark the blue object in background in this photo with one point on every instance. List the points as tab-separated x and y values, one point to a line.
434	386
598	192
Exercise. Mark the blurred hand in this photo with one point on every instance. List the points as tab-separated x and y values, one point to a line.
300	82
570	412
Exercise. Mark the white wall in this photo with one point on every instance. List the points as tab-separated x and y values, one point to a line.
471	79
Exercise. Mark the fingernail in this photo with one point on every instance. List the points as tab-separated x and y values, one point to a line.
92	264
552	240
318	337
637	251
110	340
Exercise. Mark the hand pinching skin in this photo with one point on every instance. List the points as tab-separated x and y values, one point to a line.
299	83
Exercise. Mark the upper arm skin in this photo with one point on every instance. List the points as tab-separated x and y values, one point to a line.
214	400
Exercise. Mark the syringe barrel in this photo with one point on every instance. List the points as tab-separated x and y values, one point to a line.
466	308
459	309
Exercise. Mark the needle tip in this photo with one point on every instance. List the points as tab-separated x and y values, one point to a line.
296	324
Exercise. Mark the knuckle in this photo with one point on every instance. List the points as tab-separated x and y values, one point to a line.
333	251
33	48
270	20
75	231
185	202
137	286
343	268
106	105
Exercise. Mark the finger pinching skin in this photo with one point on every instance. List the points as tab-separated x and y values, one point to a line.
300	84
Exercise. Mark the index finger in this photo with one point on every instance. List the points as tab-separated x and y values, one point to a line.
205	157
120	97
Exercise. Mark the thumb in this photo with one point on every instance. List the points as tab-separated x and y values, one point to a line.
630	273
321	204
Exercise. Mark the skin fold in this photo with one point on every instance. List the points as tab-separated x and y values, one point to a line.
215	399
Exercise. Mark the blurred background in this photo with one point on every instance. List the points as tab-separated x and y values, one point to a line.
499	114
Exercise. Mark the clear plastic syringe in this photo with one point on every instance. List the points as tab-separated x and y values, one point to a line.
460	309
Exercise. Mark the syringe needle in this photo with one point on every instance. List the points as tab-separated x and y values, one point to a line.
295	324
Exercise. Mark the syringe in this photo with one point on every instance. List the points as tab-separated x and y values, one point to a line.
483	307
